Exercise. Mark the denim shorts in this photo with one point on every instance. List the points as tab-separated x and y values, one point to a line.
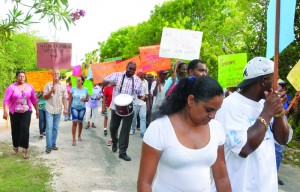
77	114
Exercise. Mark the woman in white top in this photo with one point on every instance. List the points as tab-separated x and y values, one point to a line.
185	142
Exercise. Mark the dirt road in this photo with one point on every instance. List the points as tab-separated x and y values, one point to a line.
91	165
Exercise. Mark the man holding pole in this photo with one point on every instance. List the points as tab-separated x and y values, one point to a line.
55	94
252	120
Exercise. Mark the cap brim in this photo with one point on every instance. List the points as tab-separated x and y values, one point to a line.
247	82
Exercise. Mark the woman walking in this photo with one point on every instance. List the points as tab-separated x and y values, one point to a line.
79	95
18	100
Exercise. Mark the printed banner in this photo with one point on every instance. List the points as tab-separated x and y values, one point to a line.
150	60
113	59
87	84
53	55
294	77
38	79
180	44
231	69
77	71
120	67
102	70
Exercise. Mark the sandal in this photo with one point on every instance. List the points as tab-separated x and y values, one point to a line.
25	154
79	139
87	127
15	151
94	126
74	143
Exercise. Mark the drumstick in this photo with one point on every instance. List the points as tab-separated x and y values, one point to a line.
291	104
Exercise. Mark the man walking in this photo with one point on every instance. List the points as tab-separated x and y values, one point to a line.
252	119
124	83
55	94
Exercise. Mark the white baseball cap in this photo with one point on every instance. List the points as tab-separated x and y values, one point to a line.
255	68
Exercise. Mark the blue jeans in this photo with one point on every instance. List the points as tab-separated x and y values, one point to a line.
142	111
52	121
42	121
278	152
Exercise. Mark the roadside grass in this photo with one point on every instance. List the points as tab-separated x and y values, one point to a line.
24	175
291	155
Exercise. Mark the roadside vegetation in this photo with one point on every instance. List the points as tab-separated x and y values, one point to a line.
18	174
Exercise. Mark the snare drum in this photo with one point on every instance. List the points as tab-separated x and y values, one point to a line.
124	104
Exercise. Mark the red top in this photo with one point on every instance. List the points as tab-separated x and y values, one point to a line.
108	91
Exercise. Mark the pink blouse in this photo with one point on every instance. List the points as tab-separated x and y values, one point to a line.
13	93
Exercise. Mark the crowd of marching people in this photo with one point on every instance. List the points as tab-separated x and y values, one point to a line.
187	125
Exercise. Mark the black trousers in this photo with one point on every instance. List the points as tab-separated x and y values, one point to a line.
20	123
123	138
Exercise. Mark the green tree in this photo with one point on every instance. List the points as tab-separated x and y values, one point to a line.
55	11
18	53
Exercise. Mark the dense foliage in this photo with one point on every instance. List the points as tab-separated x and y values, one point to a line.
228	26
18	53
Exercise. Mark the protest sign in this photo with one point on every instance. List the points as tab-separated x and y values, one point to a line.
113	59
294	77
87	84
38	79
180	44
150	60
231	68
101	70
54	55
77	71
120	67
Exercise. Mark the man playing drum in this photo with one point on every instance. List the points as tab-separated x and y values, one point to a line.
124	83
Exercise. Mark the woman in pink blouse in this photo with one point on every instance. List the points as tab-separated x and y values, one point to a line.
18	100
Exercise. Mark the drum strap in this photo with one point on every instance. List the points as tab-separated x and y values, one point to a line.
123	82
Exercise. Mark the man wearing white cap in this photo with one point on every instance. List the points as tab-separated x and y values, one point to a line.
252	119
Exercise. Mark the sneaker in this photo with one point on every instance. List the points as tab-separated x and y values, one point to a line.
280	182
48	150
109	143
54	148
114	147
131	132
138	128
41	136
44	134
125	157
105	132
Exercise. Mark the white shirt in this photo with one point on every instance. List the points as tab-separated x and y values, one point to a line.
257	172
181	168
145	91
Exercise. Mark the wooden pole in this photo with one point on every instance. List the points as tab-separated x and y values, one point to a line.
7	123
276	50
294	101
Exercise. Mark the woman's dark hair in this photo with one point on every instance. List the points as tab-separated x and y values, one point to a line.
82	79
193	64
202	88
18	72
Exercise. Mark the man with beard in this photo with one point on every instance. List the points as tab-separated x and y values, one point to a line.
124	83
252	119
181	72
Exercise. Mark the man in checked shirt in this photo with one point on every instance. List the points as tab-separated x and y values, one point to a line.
124	83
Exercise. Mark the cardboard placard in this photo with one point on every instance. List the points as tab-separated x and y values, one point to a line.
38	79
102	70
54	55
294	77
231	68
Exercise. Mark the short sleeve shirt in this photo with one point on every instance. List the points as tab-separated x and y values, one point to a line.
77	95
181	168
54	103
127	86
